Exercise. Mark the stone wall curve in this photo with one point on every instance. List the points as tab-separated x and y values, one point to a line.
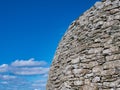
88	56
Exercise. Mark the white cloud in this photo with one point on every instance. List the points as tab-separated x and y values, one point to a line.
24	73
4	82
30	62
23	67
39	83
35	89
4	68
30	71
7	77
3	65
45	75
29	67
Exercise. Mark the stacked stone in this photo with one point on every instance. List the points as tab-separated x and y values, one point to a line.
88	56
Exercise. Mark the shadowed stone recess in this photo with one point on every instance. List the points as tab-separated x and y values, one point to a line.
88	56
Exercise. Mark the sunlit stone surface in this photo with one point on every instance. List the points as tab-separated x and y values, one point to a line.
88	56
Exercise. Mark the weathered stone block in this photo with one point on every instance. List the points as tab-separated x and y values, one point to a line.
88	56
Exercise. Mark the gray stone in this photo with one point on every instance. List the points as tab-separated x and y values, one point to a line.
88	56
78	83
76	60
96	79
99	5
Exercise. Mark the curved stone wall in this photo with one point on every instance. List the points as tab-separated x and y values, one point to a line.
88	56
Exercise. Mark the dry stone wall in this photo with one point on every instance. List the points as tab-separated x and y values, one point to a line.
88	56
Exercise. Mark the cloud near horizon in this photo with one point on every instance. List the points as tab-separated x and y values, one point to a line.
30	62
25	67
25	73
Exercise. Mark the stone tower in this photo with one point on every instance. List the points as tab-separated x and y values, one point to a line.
88	56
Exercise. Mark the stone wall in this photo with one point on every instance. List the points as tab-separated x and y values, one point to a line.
88	56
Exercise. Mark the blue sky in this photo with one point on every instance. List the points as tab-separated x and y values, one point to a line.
30	31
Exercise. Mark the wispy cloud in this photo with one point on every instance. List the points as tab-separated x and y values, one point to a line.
4	82
7	77
3	68
30	71
30	62
28	74
25	67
